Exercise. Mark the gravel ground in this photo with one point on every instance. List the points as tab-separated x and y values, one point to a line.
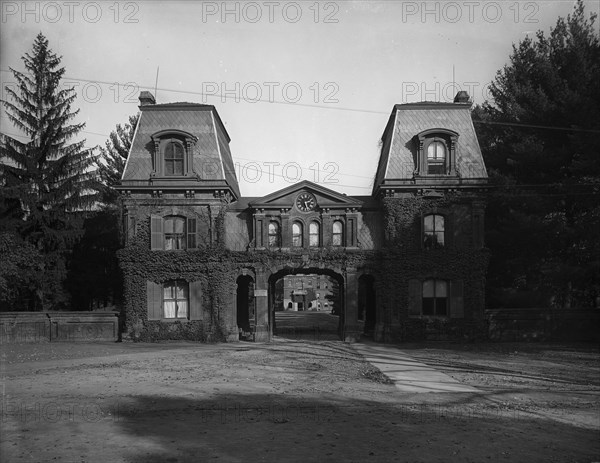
294	400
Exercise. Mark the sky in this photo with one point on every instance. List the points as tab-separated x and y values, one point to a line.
304	88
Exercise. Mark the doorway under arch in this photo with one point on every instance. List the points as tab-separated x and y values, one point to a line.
367	313
246	310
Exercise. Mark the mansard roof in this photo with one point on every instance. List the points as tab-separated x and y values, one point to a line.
398	159
326	198
212	161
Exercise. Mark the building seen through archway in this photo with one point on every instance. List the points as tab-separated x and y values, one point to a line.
306	306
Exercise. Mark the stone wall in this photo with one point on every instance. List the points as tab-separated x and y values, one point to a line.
58	326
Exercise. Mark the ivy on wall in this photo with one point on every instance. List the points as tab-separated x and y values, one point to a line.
401	259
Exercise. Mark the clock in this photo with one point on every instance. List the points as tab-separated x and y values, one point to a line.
306	202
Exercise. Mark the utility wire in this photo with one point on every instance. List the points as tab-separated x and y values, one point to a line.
370	111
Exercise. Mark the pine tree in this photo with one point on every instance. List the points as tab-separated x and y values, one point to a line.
540	139
48	179
113	157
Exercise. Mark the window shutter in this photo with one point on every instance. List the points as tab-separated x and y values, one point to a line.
156	232
457	309
132	226
154	295
203	231
191	233
415	297
196	300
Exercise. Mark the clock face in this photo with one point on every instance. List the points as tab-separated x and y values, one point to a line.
306	202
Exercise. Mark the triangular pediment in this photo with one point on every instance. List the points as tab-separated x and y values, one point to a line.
325	197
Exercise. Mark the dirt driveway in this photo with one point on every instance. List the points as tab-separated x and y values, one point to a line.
295	401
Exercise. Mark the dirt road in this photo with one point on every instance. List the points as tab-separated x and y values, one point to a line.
294	401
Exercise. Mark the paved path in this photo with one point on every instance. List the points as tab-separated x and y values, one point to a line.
407	374
309	326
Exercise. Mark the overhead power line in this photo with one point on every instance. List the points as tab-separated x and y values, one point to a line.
309	105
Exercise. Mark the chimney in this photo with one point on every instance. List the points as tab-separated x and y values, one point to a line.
461	97
146	98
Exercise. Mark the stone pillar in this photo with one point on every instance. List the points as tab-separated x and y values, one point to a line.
326	228
351	229
351	331
230	317
286	233
260	227
261	300
214	210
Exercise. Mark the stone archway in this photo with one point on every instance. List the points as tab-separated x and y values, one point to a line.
307	313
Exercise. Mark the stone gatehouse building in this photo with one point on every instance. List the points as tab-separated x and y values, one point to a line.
201	261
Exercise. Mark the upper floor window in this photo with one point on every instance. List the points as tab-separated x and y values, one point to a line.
435	297
274	235
174	158
433	231
338	233
175	299
437	152
175	236
314	234
297	235
172	232
436	158
173	153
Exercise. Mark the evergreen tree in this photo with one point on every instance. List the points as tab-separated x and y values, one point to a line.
94	279
113	157
48	181
541	140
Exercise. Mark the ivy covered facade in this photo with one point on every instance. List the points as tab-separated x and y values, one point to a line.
408	260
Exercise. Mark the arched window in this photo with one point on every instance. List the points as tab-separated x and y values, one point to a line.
175	233
175	299
433	231
338	233
173	158
274	235
297	235
435	297
436	158
314	234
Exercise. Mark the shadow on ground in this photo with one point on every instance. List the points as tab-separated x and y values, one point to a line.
255	427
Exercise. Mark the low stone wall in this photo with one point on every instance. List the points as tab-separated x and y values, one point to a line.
535	324
58	326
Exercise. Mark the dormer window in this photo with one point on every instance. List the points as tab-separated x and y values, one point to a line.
436	152
436	157
173	153
174	158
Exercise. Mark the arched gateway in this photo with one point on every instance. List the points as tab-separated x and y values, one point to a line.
203	262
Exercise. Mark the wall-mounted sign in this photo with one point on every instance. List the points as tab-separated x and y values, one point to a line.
260	292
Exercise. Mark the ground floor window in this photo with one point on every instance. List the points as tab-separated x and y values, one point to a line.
435	297
175	299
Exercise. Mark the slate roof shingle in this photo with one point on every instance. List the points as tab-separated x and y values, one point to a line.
398	154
